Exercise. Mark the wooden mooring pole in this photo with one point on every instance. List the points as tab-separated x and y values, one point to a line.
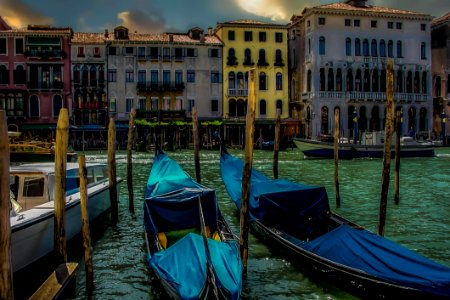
85	224
196	144
387	146
112	172
336	155
130	160
397	157
276	146
247	172
6	274
59	193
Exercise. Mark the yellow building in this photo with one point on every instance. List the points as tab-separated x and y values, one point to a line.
251	44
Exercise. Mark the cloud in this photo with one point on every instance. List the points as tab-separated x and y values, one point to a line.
142	21
433	7
19	14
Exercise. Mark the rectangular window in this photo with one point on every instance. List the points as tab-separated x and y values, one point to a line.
3	46
112	50
213	52
278	37
112	75
129	76
129	51
308	23
141	52
373	24
398	25
190	76
390	25
178	77
19	45
154	77
215	77
166	77
129	104
80	52
142	104
190	52
248	36
166	53
423	27
231	35
214	105
141	76
321	21
191	104
262	36
178	52
356	23
112	104
96	51
348	22
154	53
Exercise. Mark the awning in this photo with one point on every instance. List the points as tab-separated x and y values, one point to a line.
90	127
38	127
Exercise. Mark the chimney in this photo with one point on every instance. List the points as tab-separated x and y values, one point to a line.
210	32
106	33
357	3
171	38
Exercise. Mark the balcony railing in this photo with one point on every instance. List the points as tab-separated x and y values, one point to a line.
55	53
161	115
45	85
159	86
237	92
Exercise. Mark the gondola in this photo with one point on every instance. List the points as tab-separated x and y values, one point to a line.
297	218
190	247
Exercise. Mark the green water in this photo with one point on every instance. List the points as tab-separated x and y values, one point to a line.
421	222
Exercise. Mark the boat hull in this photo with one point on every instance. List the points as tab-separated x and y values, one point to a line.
38	157
318	149
33	239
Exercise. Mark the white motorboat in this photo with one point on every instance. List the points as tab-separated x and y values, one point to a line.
32	209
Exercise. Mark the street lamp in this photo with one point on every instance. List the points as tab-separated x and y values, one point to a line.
443	128
355	126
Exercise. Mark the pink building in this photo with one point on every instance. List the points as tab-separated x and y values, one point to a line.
35	75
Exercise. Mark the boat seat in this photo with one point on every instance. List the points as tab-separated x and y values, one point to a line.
171	237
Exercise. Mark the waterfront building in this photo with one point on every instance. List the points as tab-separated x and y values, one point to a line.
249	44
164	75
338	57
35	75
440	52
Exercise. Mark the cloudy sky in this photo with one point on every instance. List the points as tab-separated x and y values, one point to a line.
173	15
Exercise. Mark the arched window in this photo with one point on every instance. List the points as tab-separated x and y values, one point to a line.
2	101
278	58
437	86
240	81
417	82
338	80
19	75
399	49
358	79
57	105
262	81
308	81
231	59
4	75
324	120
399	81
279	81
423	119
247	57
366	80
375	80
366	47
262	58
241	108
322	79
374	48
231	80
322	45
357	47
348	47
232	108
409	82
424	82
101	74
76	73
423	51
349	80
93	76
279	106
34	106
383	81
262	107
391	48
330	80
382	48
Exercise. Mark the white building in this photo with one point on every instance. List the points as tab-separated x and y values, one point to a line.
338	58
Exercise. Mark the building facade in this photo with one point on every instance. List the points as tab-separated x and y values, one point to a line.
338	58
35	75
440	49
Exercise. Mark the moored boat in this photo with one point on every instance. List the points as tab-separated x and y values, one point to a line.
190	247
367	148
32	209
297	219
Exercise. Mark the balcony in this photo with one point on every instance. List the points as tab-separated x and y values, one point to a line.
262	63
45	85
248	62
149	86
161	115
238	92
232	61
45	54
279	63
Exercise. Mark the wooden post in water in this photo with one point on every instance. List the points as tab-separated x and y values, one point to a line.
387	146
336	155
6	274
112	171
276	147
85	224
129	160
397	157
196	144
247	173
59	193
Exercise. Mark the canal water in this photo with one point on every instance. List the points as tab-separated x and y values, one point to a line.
420	222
